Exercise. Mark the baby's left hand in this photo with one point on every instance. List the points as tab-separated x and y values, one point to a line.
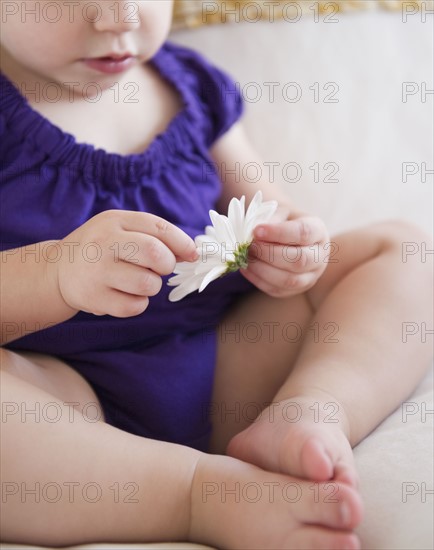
287	258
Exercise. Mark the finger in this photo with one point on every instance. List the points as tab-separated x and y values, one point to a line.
259	283
302	231
127	305
282	280
133	279
144	251
267	287
175	239
298	259
118	304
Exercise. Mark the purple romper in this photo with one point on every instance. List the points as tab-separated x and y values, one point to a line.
152	373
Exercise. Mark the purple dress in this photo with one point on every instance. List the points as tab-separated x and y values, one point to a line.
152	373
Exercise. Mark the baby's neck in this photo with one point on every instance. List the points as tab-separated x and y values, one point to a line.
123	119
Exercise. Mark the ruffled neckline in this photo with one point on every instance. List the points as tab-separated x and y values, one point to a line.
62	148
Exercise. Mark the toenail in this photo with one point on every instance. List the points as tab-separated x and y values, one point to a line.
345	513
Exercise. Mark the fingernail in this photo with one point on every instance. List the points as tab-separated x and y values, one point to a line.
194	255
260	232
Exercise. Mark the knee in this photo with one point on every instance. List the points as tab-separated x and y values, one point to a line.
412	248
407	237
7	362
14	363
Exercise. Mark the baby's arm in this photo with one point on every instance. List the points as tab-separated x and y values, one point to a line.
291	251
234	149
133	250
29	294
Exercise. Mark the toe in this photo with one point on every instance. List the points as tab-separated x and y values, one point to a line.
346	473
331	504
318	538
315	461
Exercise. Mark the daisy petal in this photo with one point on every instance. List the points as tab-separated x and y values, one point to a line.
202	239
223	229
254	205
222	247
210	232
236	216
179	279
185	267
266	210
207	263
187	287
261	213
215	273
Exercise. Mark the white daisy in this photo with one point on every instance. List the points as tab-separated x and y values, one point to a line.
224	246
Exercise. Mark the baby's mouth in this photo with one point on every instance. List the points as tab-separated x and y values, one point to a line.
114	57
110	64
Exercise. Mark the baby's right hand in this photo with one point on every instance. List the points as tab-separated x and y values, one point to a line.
112	264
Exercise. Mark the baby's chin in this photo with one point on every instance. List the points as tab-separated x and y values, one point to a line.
87	83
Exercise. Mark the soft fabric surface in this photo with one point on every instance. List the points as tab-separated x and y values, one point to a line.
369	134
156	546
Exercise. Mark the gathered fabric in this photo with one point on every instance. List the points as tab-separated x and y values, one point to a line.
153	373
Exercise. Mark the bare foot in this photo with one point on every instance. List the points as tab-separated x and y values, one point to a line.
238	506
302	436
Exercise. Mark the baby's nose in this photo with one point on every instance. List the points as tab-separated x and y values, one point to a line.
119	16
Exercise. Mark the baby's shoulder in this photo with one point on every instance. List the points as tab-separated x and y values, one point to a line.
214	92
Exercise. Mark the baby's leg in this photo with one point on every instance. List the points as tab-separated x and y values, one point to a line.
68	480
353	367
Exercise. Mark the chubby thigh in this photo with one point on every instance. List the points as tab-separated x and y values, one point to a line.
257	343
58	379
260	338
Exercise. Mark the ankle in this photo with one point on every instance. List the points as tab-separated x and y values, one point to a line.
322	407
204	482
212	516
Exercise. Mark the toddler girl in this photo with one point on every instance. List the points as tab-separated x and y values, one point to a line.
125	404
